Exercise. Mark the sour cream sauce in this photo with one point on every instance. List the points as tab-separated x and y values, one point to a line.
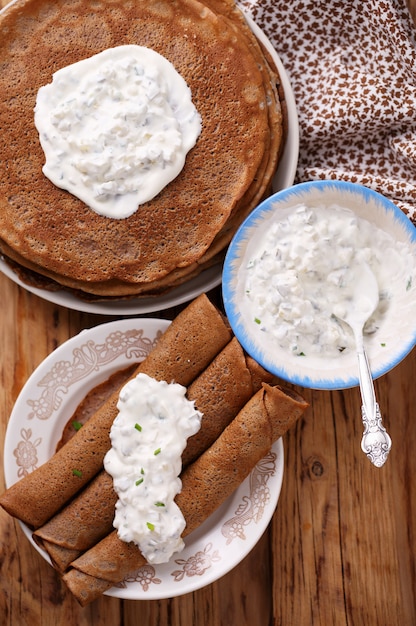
300	278
116	128
148	437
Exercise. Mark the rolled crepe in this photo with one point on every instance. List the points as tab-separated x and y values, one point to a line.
188	345
206	484
84	521
219	392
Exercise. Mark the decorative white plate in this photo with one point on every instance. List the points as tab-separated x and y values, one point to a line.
211	277
48	400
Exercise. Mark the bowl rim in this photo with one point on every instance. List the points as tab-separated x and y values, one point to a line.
322	380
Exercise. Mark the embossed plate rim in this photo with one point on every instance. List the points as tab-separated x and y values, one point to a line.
207	555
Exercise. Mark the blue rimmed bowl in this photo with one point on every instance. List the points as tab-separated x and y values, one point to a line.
389	345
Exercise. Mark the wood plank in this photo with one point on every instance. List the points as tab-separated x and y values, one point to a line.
346	529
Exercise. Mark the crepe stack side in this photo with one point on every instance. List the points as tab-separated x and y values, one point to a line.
53	238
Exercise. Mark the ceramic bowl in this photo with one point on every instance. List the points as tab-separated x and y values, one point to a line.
395	334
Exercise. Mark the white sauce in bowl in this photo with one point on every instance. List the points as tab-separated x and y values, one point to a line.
116	128
300	275
148	437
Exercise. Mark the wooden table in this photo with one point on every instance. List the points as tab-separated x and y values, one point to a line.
340	548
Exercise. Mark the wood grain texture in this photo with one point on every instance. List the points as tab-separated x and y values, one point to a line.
345	553
340	549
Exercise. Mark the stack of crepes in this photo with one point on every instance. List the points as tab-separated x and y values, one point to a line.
244	412
49	236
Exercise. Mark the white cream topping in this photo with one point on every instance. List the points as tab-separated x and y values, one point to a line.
148	437
299	279
116	128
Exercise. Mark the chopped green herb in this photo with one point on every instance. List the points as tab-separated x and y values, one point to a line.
383	345
301	354
142	471
409	284
158	451
77	472
138	427
256	319
139	481
159	504
76	425
150	526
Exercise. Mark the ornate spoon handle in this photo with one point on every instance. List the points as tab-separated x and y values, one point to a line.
376	442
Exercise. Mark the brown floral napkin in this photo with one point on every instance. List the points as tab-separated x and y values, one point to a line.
352	66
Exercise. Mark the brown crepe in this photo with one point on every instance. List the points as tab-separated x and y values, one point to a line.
260	187
219	392
180	355
206	484
50	231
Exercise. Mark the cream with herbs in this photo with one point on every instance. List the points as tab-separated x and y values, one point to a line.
116	128
299	281
148	437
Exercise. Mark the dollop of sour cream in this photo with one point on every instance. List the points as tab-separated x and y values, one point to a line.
116	128
148	437
300	277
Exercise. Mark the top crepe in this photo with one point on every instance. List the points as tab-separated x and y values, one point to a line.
182	230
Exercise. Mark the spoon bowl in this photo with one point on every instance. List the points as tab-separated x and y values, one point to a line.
375	442
361	305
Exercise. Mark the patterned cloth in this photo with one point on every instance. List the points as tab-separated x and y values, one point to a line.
352	66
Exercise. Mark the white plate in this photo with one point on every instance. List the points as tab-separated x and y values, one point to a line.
211	277
49	398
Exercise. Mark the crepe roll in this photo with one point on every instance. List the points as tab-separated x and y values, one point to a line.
206	484
84	521
247	439
219	392
186	348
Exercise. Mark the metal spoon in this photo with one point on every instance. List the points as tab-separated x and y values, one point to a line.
375	442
